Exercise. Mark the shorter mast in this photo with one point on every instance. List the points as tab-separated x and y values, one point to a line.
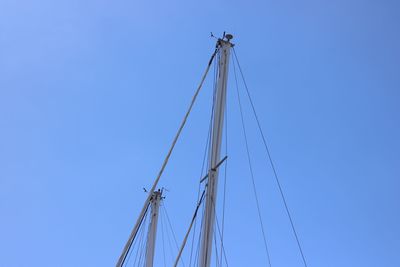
151	236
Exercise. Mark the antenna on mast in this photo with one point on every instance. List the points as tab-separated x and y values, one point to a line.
229	37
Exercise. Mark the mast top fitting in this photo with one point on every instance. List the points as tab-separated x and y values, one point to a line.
228	37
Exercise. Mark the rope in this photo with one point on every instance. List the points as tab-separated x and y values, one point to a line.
271	162
251	169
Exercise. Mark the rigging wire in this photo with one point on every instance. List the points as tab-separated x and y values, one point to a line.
216	250
199	239
171	253
225	175
132	248
143	248
129	244
251	169
163	239
172	231
141	240
190	228
198	193
140	246
201	175
208	145
168	237
271	161
208	141
220	236
145	239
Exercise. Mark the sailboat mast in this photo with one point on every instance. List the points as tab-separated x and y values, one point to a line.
151	235
218	123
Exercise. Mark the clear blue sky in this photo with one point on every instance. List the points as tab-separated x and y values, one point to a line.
92	93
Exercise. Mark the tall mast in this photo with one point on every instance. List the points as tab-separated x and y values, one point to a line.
218	123
151	235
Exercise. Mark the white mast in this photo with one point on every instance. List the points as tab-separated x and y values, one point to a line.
151	235
211	194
